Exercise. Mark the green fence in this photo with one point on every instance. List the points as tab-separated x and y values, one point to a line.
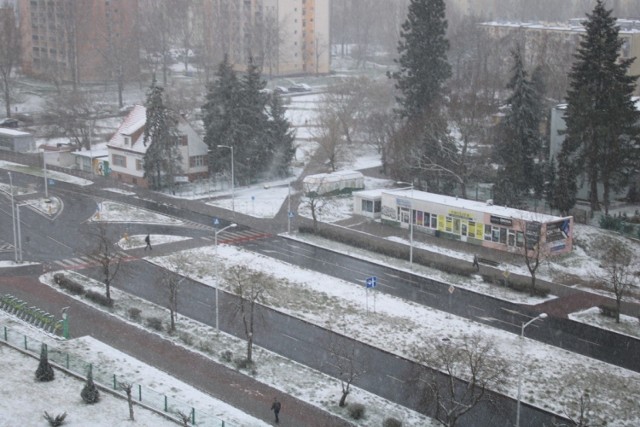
106	379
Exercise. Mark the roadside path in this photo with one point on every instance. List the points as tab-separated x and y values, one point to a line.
237	389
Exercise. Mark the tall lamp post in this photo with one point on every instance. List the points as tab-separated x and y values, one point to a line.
233	199
410	184
13	219
217	262
524	325
44	163
289	207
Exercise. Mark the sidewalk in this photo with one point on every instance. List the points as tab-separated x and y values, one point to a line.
235	388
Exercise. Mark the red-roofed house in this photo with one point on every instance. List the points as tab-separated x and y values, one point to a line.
126	150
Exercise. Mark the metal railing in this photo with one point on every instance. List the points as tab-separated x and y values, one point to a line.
149	397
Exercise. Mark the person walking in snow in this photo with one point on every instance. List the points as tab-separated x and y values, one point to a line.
275	407
475	262
147	240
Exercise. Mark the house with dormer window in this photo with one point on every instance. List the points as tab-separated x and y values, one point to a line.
127	150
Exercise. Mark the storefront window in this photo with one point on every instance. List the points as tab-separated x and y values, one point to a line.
434	221
487	232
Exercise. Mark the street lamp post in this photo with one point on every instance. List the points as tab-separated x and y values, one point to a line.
524	325
13	219
289	208
44	162
215	240
410	184
233	199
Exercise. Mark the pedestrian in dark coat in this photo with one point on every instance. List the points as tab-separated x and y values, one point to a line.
275	407
147	240
475	262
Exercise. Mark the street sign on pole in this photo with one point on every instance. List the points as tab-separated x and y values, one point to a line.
371	282
216	222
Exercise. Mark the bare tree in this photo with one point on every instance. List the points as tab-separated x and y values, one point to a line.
179	263
250	287
183	27
346	364
618	275
9	52
533	251
104	249
74	115
328	134
315	198
470	368
270	36
155	34
126	387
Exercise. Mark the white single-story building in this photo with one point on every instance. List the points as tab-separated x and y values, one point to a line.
16	141
476	223
127	150
95	161
339	181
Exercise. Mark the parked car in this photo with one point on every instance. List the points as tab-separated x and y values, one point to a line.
9	123
279	90
300	87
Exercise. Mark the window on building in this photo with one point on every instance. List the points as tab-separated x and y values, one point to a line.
196	161
377	206
367	206
127	140
434	221
449	224
487	232
119	160
139	164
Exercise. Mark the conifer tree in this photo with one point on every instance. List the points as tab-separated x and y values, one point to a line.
280	138
162	158
45	371
221	115
601	117
521	142
563	191
90	393
423	57
422	151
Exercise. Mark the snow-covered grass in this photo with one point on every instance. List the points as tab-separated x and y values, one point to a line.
23	400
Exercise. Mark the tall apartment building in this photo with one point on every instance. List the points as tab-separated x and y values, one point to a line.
285	36
81	41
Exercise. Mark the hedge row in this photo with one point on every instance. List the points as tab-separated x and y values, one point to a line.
389	248
78	289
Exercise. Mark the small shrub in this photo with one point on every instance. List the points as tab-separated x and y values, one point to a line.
392	422
73	287
186	338
57	277
608	310
226	355
356	411
90	393
56	421
205	347
154	323
242	363
99	298
135	313
45	371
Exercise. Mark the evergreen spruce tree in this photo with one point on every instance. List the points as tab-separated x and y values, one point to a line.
563	192
221	115
253	153
601	117
423	57
520	147
423	151
45	371
280	138
90	393
162	158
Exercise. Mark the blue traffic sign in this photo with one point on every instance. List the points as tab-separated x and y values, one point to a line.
51	182
372	282
291	214
215	221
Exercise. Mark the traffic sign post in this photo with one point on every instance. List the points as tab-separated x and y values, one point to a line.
371	283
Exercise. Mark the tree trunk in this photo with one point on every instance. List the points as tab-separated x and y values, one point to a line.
343	399
593	191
